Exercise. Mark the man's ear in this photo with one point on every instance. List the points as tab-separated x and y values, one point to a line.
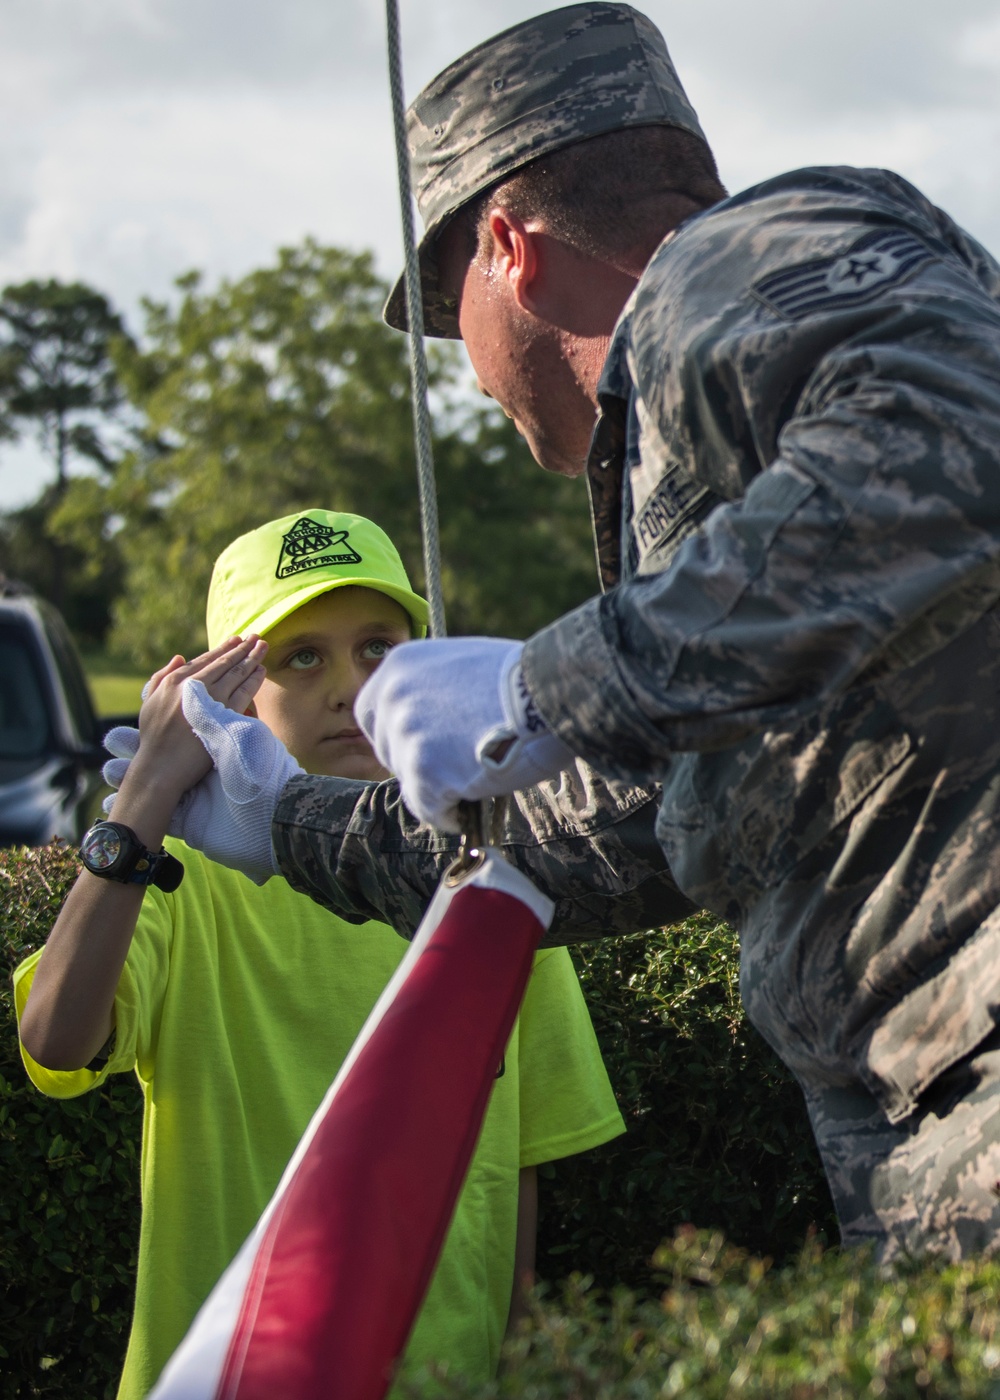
517	252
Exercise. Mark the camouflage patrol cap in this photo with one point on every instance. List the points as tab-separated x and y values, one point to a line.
562	77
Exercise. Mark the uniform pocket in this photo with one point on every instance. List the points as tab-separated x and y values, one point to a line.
744	818
935	1025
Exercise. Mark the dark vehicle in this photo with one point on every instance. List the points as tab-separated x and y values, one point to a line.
50	739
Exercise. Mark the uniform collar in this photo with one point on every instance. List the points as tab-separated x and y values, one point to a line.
605	459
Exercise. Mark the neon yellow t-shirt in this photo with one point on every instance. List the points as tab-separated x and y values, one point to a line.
235	1008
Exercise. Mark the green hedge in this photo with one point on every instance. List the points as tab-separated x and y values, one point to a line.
730	1326
717	1131
69	1207
717	1137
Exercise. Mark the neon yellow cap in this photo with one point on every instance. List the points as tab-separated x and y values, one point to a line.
266	574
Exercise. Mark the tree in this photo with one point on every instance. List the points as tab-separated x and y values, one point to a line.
58	377
56	368
285	390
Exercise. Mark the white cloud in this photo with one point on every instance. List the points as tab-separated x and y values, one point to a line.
979	44
129	193
140	138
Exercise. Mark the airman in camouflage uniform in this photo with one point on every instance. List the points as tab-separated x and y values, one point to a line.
813	671
796	480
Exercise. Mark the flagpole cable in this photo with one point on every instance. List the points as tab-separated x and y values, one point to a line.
415	321
474	815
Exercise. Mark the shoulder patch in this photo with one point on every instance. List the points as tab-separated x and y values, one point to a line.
310	545
879	260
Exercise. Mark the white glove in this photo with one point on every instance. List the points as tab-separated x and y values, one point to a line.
453	720
228	814
123	743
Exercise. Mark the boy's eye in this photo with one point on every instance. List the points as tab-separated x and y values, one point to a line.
376	649
303	660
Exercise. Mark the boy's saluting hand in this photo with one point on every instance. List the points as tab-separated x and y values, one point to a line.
193	717
170	756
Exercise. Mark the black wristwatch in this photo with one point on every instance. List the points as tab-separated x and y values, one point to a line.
112	851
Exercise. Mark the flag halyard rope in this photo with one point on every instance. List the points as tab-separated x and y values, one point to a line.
415	321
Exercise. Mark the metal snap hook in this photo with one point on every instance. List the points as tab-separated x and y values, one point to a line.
472	851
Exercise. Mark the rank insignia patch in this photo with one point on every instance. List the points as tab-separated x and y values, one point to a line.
310	545
877	261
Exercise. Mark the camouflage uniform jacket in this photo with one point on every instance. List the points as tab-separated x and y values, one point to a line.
797	475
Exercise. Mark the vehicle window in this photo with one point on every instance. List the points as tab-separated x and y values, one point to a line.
73	684
24	722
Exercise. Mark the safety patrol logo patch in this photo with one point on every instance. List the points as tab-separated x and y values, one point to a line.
311	545
875	262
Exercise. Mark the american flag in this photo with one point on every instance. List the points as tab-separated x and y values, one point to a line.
319	1302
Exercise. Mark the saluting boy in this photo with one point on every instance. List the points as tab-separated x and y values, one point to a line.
236	1003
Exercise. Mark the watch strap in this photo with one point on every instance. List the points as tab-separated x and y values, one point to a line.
157	868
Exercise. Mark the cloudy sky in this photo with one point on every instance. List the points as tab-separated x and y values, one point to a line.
141	138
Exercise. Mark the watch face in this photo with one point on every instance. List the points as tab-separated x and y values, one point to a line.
101	847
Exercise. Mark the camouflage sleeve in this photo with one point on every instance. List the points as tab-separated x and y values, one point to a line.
828	362
589	845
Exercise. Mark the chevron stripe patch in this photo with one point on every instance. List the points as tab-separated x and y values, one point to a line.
875	262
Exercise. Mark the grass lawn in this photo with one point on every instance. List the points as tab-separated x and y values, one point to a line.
115	689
